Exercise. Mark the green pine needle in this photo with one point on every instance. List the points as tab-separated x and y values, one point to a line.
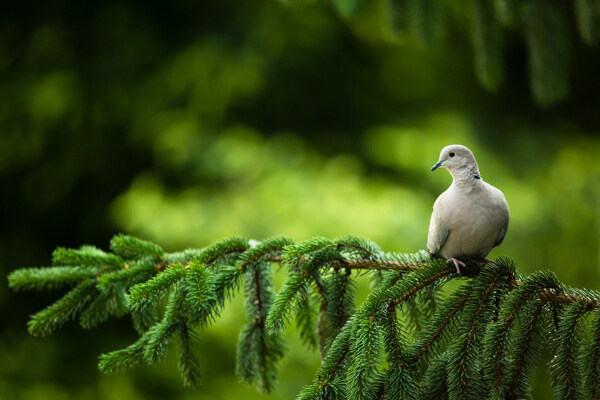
406	340
54	316
132	247
566	371
48	278
144	294
86	255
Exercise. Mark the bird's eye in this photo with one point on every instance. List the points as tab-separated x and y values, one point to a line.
451	154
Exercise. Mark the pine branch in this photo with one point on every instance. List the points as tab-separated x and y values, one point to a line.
145	294
54	316
464	378
365	352
124	359
48	278
258	350
340	298
86	255
526	352
132	247
498	333
434	383
565	369
160	334
188	359
593	372
440	323
484	337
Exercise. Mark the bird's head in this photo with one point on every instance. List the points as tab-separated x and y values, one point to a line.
457	158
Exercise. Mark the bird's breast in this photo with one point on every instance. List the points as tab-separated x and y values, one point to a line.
473	222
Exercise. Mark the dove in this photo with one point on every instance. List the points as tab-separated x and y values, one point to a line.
471	216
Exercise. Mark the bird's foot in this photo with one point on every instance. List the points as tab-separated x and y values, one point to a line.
457	263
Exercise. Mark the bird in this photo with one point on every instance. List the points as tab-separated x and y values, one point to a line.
471	216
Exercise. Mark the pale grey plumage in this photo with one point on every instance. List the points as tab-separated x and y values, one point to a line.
471	216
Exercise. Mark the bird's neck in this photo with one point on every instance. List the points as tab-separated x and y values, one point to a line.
465	176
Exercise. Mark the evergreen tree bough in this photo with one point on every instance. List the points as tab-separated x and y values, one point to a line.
483	338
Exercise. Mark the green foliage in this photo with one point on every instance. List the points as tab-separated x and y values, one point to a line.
55	315
487	44
423	19
347	8
565	369
527	349
547	38
396	12
131	247
188	359
593	350
259	349
543	25
86	256
587	13
145	294
426	20
507	12
48	278
484	338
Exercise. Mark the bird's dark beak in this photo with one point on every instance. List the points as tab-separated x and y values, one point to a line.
437	165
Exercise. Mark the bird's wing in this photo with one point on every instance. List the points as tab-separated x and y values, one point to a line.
438	231
502	232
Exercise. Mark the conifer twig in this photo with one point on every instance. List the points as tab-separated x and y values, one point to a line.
486	336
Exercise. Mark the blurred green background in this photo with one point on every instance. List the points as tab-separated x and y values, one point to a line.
186	122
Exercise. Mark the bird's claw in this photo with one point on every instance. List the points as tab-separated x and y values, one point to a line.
457	263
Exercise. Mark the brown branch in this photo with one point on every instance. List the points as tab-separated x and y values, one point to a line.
339	362
238	250
353	263
340	308
245	264
558	296
392	316
259	303
356	247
